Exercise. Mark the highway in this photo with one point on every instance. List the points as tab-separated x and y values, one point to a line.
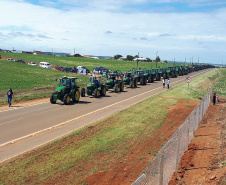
26	128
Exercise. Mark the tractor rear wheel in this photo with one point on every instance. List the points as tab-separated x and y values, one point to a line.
66	99
96	93
103	91
76	96
83	92
52	100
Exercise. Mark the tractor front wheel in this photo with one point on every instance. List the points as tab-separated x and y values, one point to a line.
132	85
136	82
116	88
103	91
121	86
52	100
96	93
76	96
66	99
141	81
83	92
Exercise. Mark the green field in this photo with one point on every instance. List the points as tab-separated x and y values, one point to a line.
137	122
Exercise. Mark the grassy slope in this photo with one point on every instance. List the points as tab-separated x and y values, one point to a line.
138	121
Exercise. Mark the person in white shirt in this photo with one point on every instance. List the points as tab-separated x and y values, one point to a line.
163	83
168	83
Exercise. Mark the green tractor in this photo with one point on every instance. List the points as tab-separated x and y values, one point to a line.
113	82
150	75
68	90
142	76
173	72
130	79
94	87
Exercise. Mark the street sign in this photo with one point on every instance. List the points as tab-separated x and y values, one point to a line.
188	79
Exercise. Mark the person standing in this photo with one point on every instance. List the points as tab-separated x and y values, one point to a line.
9	96
163	83
168	83
214	99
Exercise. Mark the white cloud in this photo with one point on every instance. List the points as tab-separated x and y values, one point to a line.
105	32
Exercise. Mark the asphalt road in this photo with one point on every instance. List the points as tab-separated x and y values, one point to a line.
23	129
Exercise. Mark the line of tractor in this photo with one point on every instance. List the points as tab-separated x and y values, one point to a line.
69	90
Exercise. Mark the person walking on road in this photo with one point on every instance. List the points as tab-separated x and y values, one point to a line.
168	83
9	96
163	83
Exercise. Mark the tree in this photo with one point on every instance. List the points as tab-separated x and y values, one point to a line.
157	59
149	60
130	57
136	56
116	57
165	61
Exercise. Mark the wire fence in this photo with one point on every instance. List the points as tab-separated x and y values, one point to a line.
162	167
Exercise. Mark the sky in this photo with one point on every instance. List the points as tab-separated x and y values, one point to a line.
180	30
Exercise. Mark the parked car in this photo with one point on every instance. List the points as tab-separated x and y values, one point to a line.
69	69
10	59
20	61
32	64
59	68
45	65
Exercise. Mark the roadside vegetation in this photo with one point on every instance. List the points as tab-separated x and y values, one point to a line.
112	137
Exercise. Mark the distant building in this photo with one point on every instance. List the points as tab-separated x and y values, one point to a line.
38	53
27	52
140	59
122	58
75	55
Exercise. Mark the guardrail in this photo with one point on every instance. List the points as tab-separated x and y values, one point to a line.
162	167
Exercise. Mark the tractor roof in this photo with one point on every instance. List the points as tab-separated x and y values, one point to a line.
69	77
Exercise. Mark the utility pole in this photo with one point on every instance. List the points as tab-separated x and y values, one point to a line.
156	58
137	60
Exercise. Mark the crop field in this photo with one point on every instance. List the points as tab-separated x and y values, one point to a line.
65	160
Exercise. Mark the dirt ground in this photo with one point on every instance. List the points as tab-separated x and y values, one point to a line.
203	163
205	160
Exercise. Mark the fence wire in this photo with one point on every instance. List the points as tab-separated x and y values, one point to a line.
162	167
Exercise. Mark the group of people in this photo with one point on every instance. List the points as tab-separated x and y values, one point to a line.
164	83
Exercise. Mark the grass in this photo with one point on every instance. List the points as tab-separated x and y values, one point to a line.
111	138
220	86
